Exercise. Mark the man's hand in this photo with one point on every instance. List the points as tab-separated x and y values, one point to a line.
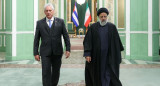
37	57
67	54
88	59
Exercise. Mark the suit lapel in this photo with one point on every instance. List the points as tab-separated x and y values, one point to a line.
46	25
53	25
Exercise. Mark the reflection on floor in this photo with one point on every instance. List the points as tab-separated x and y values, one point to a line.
73	75
28	72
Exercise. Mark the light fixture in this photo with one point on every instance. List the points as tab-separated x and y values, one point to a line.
80	2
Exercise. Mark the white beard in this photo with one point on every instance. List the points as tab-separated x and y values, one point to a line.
103	23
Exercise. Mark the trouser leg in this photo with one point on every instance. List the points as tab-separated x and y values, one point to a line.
56	64
46	71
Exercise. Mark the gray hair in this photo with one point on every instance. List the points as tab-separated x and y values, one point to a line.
49	4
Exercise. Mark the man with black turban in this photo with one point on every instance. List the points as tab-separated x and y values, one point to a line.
102	50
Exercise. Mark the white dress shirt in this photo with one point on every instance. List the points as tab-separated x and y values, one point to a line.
52	19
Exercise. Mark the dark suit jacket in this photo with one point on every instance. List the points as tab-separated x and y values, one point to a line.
51	43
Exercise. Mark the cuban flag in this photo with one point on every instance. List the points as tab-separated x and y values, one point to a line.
75	16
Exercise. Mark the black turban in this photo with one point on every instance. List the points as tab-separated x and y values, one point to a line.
101	10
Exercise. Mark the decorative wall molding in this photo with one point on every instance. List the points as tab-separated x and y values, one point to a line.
1	12
128	27
14	23
4	41
150	32
4	14
35	14
0	40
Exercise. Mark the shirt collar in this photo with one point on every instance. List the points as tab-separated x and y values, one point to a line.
52	19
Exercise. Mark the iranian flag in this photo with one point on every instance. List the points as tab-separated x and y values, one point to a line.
87	16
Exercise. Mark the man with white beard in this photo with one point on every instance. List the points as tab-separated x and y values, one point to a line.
102	51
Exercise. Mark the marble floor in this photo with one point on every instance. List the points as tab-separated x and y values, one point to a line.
28	72
73	75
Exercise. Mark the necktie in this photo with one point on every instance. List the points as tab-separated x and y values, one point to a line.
50	23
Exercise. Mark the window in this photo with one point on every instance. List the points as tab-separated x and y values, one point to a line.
110	7
41	8
120	13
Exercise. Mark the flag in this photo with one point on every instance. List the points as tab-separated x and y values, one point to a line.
87	17
75	16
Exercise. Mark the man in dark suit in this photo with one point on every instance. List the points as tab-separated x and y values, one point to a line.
49	30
